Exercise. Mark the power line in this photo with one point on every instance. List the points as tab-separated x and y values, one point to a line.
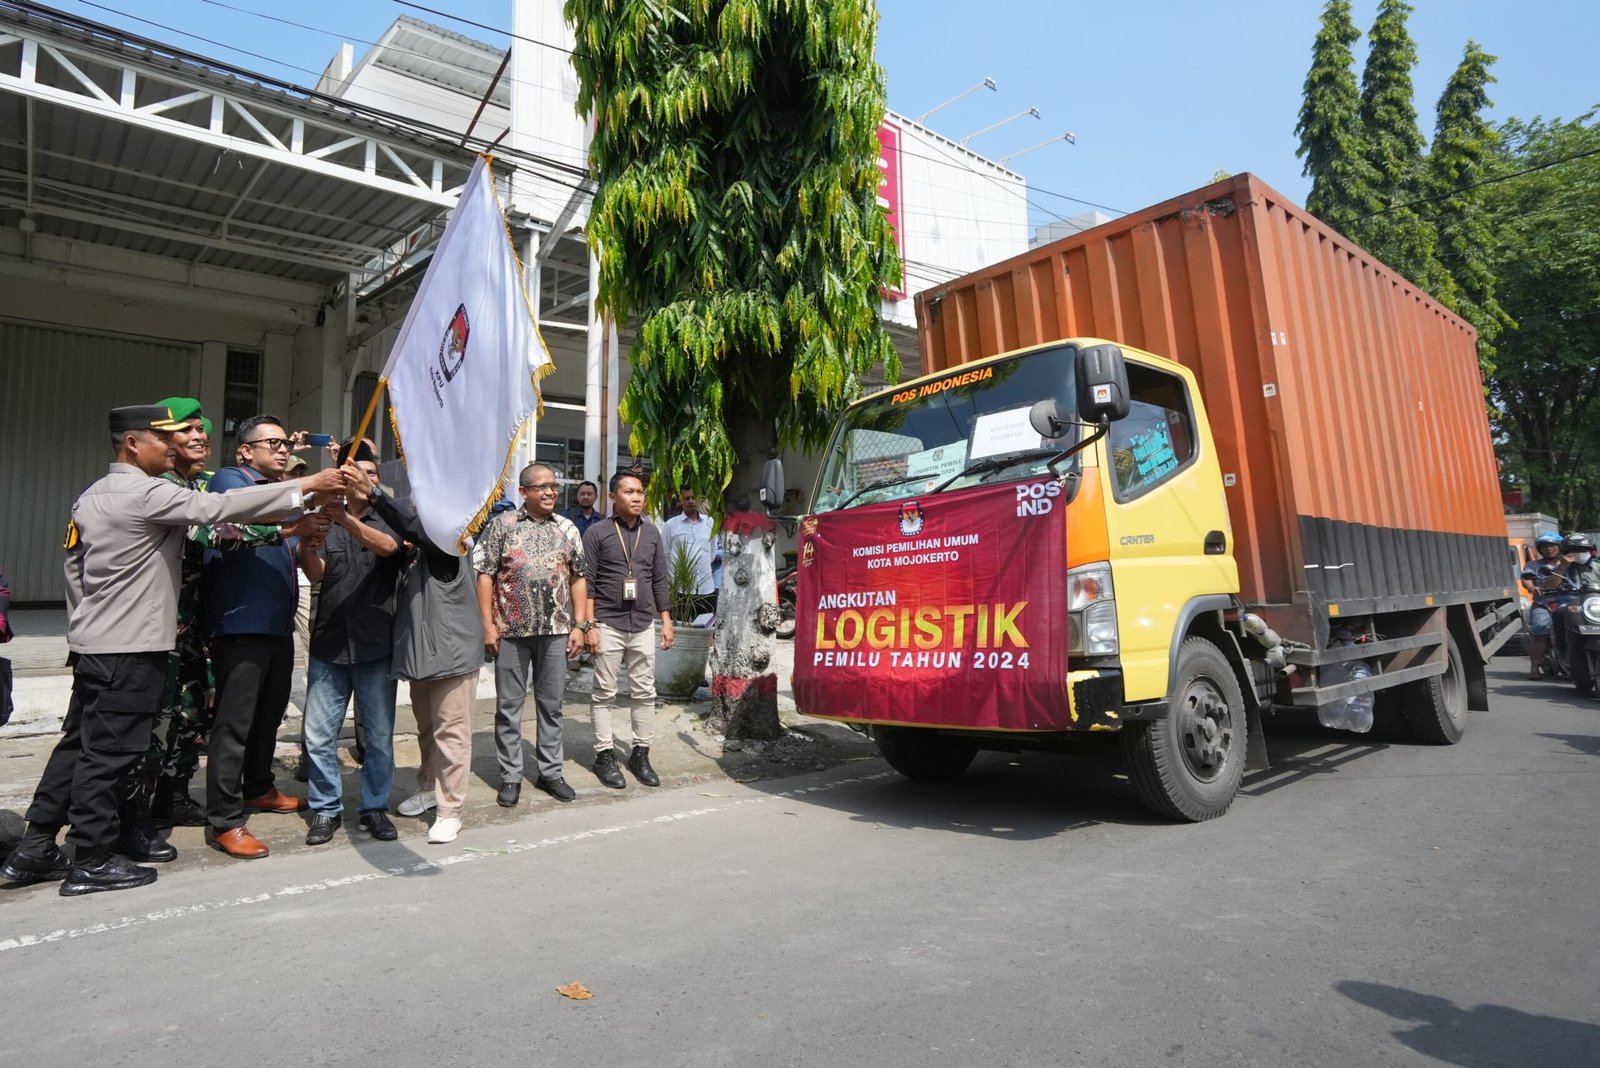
482	26
1475	185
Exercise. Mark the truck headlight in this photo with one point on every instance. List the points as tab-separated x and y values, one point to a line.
1591	609
1091	612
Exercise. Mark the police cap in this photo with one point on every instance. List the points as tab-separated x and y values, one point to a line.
143	417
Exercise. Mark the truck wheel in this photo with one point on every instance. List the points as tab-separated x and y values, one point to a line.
923	755
1188	766
1437	707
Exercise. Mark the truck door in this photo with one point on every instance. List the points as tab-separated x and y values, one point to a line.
1167	522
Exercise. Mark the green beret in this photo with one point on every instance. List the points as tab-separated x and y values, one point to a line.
183	408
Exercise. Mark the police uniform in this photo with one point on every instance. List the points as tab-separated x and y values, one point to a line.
123	564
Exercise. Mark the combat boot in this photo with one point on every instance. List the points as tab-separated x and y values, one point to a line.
36	859
138	840
173	807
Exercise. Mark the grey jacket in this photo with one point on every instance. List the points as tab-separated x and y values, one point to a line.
125	554
438	633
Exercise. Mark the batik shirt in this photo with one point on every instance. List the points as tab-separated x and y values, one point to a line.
533	563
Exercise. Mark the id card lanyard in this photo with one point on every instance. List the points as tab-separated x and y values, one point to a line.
630	587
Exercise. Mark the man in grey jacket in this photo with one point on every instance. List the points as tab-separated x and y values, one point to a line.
124	555
438	648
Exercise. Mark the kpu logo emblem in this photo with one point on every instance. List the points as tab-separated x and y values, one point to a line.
910	518
453	349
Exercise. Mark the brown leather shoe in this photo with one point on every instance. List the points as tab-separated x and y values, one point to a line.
275	800
237	842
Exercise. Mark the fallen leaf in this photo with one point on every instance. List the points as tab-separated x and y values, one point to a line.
575	991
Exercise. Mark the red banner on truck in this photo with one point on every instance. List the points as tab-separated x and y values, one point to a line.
940	611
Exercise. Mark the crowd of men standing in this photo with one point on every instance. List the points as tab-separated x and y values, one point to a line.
182	593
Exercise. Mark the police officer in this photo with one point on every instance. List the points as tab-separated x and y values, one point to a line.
124	549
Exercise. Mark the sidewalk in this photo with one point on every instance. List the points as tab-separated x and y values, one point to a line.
685	754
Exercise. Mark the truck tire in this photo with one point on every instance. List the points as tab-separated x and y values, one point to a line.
1188	766
923	755
1436	708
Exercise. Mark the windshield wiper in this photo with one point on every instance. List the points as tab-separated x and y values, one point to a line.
998	463
883	483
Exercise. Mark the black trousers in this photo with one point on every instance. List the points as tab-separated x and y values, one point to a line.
115	697
253	675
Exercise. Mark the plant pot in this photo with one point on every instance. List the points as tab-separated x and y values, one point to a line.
681	670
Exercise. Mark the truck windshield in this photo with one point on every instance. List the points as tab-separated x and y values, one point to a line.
909	441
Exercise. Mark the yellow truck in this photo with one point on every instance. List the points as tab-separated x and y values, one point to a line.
1164	477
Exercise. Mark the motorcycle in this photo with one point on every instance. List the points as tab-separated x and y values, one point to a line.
1578	633
786	603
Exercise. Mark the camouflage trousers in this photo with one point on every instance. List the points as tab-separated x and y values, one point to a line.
188	707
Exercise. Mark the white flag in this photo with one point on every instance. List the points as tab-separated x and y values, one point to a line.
463	374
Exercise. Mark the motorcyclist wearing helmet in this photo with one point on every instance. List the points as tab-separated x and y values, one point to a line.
1546	576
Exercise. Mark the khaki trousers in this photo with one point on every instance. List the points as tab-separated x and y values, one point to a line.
636	654
443	708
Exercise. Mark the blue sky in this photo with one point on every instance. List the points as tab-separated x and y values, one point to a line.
1159	93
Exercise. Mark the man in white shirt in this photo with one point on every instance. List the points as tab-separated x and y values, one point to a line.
692	529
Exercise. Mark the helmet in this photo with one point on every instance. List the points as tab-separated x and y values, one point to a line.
1549	537
1578	543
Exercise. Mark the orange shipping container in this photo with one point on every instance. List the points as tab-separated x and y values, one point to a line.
1346	403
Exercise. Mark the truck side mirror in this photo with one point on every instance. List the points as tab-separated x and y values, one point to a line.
772	485
1045	418
1102	383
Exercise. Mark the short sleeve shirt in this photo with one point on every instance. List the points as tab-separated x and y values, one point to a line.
533	563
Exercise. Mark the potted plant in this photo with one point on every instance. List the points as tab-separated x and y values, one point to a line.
681	670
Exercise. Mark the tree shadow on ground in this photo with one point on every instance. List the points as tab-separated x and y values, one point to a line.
1483	1036
1587	744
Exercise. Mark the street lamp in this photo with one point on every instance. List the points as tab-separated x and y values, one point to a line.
987	83
1003	122
1067	137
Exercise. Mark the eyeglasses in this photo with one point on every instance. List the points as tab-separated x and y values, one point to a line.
543	487
270	444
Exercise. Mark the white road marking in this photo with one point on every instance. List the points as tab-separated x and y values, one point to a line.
179	912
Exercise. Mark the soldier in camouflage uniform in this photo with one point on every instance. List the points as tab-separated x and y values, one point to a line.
156	790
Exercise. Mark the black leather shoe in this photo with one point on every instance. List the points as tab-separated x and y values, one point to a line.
139	841
322	828
639	764
173	807
35	863
508	795
379	826
606	770
556	788
101	871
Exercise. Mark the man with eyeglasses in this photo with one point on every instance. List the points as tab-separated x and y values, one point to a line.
249	594
533	598
122	567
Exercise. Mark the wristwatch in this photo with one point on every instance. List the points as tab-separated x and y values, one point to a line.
376	492
586	626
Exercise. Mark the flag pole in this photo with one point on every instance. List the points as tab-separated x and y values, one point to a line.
372	407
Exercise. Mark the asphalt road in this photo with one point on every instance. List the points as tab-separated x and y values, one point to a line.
1362	904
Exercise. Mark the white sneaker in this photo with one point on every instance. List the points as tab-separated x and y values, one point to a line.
444	829
418	803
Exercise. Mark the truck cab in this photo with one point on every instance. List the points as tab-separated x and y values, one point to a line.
1078	480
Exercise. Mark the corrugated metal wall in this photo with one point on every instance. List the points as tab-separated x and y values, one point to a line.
55	389
1335	389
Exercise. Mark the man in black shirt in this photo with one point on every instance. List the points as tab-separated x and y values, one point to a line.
627	592
352	640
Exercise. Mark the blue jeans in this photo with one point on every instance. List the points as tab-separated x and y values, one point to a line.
328	690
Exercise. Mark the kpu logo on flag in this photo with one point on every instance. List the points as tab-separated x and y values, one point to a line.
452	351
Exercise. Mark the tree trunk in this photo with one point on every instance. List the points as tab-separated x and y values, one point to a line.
744	689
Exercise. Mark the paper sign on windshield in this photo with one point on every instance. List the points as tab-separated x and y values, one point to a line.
946	610
941	462
999	433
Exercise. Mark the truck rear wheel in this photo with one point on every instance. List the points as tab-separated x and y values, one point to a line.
924	755
1188	766
1436	707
